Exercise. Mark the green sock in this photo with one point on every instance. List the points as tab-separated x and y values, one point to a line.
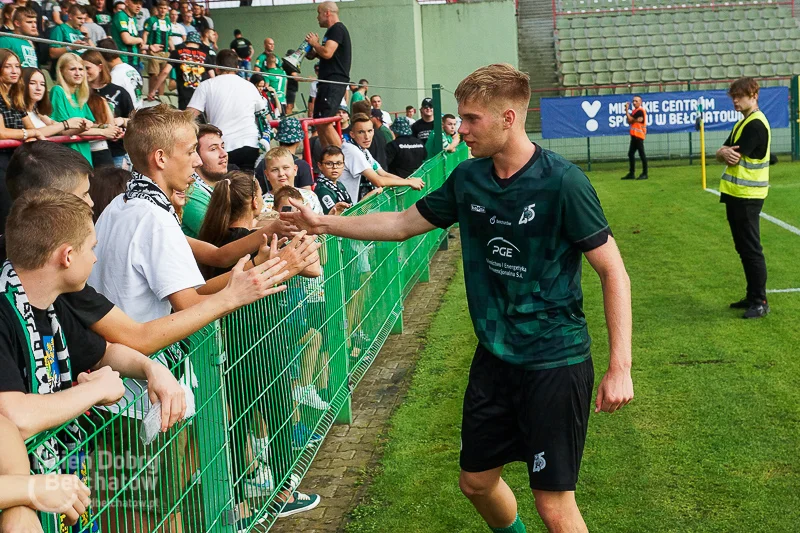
516	527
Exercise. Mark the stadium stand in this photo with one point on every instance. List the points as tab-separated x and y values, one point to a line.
600	42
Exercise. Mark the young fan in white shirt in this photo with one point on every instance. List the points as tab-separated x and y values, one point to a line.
359	162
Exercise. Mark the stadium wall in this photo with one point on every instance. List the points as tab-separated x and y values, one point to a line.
458	38
396	42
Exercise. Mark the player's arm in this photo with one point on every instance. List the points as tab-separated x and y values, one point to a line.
616	387
372	227
381	178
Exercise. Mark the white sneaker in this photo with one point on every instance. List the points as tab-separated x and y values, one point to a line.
309	396
258	484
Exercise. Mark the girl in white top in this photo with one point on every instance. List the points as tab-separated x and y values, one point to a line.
37	104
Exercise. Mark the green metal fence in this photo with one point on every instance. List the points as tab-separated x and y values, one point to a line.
269	382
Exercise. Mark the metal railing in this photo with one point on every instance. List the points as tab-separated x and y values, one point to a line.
269	382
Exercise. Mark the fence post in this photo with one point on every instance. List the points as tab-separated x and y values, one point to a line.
794	113
211	426
589	154
437	118
689	88
337	329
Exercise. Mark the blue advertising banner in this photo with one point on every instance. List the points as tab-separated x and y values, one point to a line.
673	112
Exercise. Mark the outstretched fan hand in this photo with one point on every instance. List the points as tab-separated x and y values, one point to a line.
304	218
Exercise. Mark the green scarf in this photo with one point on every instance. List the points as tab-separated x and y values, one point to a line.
47	370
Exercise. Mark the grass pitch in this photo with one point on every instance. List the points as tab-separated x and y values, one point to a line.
711	441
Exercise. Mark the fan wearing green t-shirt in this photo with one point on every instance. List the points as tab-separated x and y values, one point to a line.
527	219
360	93
450	137
125	32
69	32
69	98
211	149
261	61
276	78
24	21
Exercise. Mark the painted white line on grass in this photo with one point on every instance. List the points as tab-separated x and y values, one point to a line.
770	218
783	290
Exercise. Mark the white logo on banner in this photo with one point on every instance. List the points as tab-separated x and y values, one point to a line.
591	110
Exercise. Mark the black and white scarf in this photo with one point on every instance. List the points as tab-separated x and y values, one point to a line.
341	193
47	371
201	184
142	187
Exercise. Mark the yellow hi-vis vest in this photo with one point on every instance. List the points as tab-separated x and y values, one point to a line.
750	178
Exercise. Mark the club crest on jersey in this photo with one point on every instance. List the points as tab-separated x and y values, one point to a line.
527	214
538	462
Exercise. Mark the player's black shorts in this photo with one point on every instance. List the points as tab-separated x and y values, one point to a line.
535	416
329	98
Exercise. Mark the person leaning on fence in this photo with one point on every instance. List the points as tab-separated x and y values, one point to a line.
362	173
450	137
637	118
22	494
743	187
49	242
530	354
31	168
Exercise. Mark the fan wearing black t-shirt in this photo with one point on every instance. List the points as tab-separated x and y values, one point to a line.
422	128
187	77
335	55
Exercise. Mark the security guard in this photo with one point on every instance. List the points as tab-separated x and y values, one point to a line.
743	187
637	118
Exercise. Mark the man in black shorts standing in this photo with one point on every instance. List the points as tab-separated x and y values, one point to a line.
527	217
334	53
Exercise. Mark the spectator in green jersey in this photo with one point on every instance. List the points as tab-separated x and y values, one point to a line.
156	34
276	78
261	60
69	32
125	32
24	22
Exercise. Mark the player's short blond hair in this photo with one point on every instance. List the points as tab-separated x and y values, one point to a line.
153	128
496	85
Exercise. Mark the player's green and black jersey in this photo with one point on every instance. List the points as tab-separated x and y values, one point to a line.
158	31
330	193
522	240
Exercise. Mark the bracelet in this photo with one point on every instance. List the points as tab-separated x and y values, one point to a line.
65	124
24	134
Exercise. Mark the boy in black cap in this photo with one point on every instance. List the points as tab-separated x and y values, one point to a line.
424	126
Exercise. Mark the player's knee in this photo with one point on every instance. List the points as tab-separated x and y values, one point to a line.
556	509
476	485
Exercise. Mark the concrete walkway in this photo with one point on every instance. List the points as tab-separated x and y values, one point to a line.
339	472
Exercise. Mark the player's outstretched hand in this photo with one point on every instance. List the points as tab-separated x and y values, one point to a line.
303	218
614	392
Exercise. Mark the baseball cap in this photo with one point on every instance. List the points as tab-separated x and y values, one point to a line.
194	37
377	114
426	102
344	108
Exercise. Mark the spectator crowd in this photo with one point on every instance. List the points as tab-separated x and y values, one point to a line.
147	221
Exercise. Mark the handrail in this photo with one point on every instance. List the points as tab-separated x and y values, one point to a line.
6	144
